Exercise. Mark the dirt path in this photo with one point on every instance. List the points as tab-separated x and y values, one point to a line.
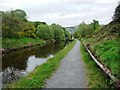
71	73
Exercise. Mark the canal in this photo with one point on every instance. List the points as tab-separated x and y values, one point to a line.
19	63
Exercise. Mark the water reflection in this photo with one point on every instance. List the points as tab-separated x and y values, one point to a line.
18	63
10	75
34	61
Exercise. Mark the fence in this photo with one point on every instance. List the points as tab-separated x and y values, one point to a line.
105	69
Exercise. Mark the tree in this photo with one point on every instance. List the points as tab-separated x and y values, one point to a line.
19	13
95	24
45	32
77	34
29	30
58	32
15	25
67	34
84	30
11	24
116	16
36	23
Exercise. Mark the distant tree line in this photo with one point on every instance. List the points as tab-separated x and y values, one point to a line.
16	25
84	29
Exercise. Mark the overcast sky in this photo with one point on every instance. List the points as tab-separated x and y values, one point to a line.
64	12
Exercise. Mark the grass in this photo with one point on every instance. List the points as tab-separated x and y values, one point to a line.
95	76
37	78
19	43
108	53
104	44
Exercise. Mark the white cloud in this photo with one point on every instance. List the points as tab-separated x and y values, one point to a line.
64	12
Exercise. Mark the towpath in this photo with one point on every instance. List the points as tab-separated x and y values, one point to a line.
71	73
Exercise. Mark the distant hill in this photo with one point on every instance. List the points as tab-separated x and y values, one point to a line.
71	29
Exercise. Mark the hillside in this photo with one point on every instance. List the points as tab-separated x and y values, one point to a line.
104	45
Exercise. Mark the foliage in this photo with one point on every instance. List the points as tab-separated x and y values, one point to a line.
108	53
11	24
77	34
116	16
95	24
84	30
58	32
36	23
19	13
67	34
45	32
37	78
95	75
29	30
104	44
20	43
16	25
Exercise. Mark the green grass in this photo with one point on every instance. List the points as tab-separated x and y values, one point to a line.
37	78
95	76
19	43
108	54
104	44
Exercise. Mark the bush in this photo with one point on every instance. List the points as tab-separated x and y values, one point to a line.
84	30
58	32
67	35
45	32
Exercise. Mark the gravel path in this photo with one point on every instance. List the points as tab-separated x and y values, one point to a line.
71	73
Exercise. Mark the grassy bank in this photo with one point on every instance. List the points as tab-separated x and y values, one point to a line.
37	78
104	44
107	52
9	44
95	76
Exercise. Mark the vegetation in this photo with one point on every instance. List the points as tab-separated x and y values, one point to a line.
37	78
116	16
45	32
16	29
84	30
103	42
95	76
22	42
68	36
108	54
58	32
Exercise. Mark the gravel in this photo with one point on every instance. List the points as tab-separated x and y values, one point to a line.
71	73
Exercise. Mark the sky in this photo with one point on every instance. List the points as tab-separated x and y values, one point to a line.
64	12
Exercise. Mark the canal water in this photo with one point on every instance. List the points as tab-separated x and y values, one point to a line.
17	64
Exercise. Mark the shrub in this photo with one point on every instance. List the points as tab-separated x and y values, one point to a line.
45	32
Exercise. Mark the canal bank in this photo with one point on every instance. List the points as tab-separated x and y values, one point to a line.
14	44
32	55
